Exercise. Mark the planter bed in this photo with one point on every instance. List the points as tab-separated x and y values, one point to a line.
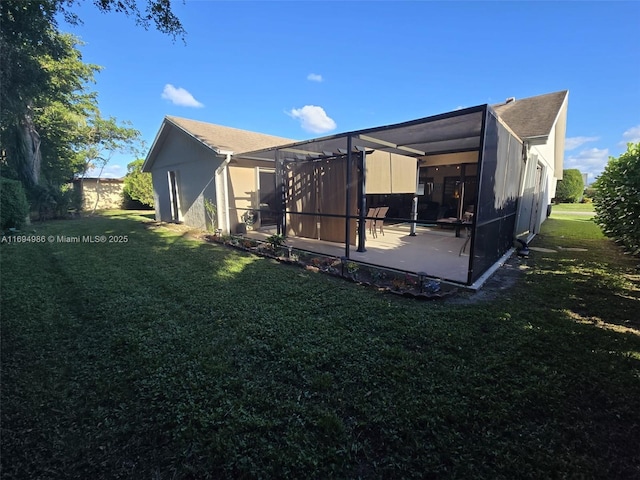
394	282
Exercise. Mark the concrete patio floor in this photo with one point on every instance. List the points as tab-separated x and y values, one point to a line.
433	250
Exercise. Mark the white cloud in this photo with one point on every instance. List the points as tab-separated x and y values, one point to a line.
632	135
591	161
314	77
180	96
574	142
313	119
110	171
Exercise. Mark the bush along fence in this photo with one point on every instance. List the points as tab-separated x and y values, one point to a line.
418	286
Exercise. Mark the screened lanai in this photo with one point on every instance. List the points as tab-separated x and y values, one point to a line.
449	183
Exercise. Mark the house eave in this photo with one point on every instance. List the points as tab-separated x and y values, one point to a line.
148	162
536	140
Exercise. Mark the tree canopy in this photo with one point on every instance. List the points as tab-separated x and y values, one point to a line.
156	12
51	127
137	184
571	187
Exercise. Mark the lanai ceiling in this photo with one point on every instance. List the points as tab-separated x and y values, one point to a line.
456	131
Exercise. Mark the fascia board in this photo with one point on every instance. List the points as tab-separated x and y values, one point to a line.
562	110
148	161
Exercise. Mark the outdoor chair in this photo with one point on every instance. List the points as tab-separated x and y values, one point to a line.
467	219
380	214
370	222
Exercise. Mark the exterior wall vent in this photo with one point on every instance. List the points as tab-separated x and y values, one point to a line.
510	99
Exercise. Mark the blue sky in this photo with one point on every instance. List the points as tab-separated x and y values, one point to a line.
305	69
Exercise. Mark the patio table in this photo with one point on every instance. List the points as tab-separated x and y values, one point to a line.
455	222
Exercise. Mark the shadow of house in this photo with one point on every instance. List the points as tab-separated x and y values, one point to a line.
500	162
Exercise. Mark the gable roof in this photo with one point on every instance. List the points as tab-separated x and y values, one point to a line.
222	138
533	116
458	130
218	138
527	118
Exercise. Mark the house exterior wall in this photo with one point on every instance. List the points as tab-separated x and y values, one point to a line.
559	134
546	158
242	193
195	167
530	199
107	192
242	189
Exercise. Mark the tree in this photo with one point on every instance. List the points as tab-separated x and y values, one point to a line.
617	198
137	184
42	144
42	84
62	112
571	187
26	36
102	139
158	12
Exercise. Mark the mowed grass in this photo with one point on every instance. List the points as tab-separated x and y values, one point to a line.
165	357
572	207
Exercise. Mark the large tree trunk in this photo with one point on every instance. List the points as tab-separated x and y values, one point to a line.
30	143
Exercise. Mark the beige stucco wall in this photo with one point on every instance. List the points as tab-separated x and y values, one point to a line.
559	134
242	193
546	155
107	192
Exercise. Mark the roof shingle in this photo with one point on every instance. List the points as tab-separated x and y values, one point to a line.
533	116
218	137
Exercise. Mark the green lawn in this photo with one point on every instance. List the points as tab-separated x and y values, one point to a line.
168	358
573	207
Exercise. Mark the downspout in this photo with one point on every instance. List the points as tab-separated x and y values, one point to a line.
223	216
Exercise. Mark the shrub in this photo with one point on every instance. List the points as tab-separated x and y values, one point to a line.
212	214
54	201
276	241
14	208
138	185
617	198
571	187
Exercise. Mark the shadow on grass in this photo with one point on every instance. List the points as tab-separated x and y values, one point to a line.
184	359
598	284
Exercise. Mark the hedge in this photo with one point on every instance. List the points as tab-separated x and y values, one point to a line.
14	207
617	199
